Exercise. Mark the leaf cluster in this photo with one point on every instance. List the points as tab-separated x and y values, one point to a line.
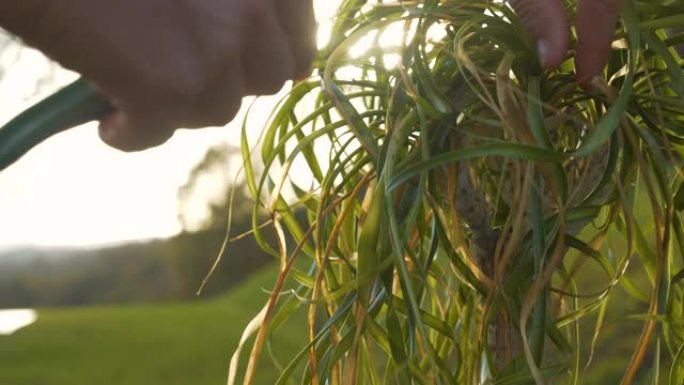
471	216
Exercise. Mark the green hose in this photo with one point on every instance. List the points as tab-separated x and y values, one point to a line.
75	104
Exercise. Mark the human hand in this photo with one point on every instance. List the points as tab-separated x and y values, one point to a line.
167	64
546	22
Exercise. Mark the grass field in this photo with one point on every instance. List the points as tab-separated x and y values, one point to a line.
192	343
161	344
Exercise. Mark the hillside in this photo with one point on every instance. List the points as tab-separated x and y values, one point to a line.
142	272
131	345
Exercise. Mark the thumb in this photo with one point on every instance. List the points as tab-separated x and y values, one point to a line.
547	23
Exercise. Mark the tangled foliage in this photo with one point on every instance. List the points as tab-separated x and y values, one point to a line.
472	216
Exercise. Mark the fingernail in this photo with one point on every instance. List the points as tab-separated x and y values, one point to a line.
543	52
110	125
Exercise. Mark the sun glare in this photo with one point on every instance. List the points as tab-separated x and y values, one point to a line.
325	14
73	190
13	320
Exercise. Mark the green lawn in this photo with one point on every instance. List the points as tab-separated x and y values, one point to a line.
192	343
142	345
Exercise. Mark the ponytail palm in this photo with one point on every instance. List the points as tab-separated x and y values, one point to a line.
473	219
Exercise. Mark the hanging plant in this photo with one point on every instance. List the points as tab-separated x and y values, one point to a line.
471	216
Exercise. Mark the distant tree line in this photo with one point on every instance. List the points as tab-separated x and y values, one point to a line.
159	270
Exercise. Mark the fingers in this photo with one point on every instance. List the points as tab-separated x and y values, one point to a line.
142	124
298	20
221	101
596	21
251	50
120	131
267	61
278	44
547	23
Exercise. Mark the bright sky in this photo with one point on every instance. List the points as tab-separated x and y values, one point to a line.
72	190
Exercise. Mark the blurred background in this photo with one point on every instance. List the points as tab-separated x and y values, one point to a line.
102	253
